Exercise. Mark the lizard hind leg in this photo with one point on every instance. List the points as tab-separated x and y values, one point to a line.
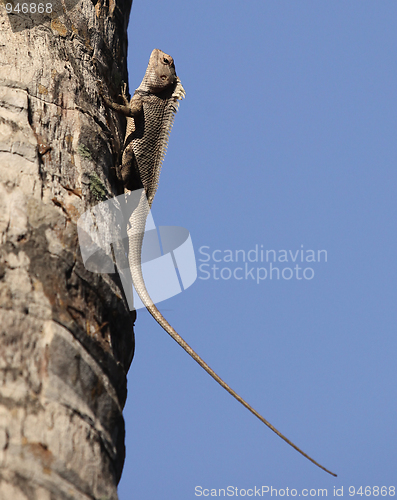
129	171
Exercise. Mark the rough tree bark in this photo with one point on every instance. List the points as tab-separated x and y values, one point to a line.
66	334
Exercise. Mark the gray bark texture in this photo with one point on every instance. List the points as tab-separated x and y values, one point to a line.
66	334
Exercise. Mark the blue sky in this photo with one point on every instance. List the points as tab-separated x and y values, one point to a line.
286	139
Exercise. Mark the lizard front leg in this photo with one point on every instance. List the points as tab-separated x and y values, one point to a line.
130	108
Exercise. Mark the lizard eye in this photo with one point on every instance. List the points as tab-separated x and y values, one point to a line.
166	61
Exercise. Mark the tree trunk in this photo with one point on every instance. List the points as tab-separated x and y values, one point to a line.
66	334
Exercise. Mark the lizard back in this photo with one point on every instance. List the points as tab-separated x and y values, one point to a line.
149	133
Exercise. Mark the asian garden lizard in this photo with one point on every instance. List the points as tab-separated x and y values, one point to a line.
150	114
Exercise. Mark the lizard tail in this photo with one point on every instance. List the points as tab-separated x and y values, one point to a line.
135	233
171	331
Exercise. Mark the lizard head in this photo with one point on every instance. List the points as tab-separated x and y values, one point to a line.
160	73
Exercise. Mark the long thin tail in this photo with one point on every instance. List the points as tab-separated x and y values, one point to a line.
171	331
135	232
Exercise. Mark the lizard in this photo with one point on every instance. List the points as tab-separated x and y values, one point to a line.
150	114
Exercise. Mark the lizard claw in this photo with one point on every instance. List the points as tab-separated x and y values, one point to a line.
100	87
124	94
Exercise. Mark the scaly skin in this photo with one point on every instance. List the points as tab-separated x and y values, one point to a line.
150	115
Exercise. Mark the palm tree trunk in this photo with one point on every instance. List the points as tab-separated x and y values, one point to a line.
66	336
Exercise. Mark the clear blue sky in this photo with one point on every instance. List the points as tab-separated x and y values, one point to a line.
287	137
